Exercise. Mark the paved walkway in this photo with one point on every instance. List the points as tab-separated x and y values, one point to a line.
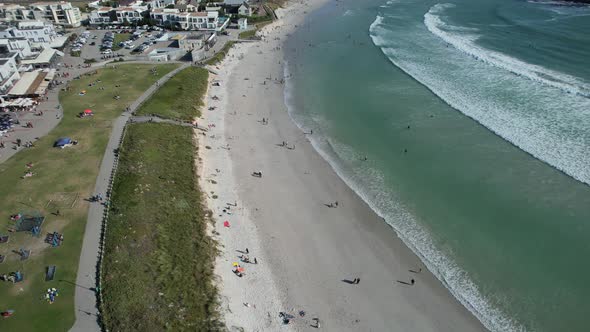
85	298
51	113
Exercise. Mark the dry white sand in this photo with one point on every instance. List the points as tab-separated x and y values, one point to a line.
304	248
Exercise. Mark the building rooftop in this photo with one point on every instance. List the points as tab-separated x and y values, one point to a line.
31	25
7	55
28	83
10	6
44	57
47	3
165	10
233	2
195	36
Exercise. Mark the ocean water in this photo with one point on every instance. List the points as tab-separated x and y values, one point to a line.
474	117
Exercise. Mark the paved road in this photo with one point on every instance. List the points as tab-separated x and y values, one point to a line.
85	298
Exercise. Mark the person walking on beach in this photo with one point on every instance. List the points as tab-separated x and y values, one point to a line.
412	281
247	251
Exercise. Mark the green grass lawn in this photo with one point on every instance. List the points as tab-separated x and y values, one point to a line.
219	56
62	179
180	98
158	268
119	37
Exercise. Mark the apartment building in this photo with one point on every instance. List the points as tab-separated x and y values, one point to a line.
9	74
35	31
59	13
206	20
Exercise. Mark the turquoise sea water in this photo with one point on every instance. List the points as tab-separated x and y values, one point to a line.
474	117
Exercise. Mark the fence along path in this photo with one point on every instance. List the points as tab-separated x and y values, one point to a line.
88	297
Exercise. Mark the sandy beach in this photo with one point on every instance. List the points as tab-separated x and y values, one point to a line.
306	251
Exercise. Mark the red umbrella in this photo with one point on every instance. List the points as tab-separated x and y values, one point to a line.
87	112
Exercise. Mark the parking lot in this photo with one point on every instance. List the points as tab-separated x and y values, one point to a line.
100	43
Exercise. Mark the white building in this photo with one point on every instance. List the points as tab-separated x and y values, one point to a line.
158	3
190	43
13	12
207	20
233	3
119	15
100	16
35	31
243	23
21	46
94	4
245	9
166	54
164	15
129	14
9	74
59	13
153	4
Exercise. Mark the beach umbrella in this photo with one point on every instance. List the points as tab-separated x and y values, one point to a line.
87	111
235	264
226	223
240	269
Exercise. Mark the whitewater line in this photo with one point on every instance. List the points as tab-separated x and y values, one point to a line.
466	44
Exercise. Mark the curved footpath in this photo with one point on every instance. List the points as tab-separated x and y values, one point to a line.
85	297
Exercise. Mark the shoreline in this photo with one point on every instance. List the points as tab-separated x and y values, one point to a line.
305	260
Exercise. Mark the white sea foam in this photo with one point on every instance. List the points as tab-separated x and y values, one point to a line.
538	136
387	206
540	119
466	43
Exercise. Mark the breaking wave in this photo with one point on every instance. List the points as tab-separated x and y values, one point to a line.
466	44
538	117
